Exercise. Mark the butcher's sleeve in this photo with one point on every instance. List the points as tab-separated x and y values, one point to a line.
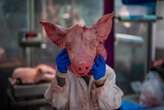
107	96
56	94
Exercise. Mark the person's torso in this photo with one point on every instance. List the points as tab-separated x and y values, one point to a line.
79	94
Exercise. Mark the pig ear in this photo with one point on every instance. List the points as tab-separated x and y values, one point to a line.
55	33
104	26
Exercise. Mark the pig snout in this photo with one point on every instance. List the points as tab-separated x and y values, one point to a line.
81	68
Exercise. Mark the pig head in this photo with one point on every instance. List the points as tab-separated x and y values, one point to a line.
82	43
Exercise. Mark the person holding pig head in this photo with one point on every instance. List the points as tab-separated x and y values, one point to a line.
83	81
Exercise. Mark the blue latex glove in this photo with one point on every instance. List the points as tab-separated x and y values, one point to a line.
62	61
128	105
99	68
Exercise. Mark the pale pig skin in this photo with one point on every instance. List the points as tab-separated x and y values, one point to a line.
82	43
27	75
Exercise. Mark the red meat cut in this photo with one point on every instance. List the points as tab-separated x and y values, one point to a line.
29	75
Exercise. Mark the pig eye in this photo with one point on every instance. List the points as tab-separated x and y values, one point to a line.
100	42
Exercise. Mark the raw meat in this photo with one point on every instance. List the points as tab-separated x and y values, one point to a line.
82	43
27	75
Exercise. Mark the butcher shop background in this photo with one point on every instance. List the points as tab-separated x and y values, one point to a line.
132	46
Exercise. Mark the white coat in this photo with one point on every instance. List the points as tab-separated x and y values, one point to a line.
76	95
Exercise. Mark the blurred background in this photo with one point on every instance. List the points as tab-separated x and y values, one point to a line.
134	47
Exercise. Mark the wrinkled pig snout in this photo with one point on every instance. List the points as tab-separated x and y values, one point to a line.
83	67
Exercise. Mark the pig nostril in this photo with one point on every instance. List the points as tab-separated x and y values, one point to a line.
86	68
79	68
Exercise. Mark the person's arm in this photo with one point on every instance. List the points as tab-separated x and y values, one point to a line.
109	95
103	91
58	92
